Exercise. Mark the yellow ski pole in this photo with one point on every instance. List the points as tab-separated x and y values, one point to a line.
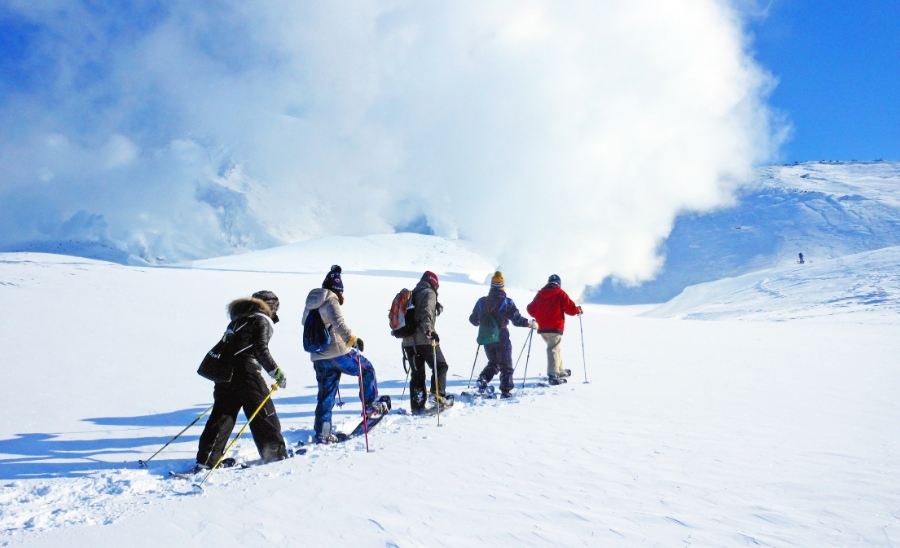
143	463
227	449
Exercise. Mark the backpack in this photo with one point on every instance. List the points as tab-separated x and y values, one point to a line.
316	337
402	317
489	330
218	364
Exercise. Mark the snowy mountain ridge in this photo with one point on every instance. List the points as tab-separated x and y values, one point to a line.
821	209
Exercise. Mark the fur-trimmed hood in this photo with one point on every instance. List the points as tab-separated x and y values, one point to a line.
239	308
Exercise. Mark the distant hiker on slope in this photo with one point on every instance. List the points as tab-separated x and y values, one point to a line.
549	309
498	309
341	355
420	347
247	388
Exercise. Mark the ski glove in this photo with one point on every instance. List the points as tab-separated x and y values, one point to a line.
438	308
279	377
359	344
434	336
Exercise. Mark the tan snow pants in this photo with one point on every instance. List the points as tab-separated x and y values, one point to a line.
554	353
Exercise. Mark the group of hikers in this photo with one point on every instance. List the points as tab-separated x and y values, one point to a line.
252	324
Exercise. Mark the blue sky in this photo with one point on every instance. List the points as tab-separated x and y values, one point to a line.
838	66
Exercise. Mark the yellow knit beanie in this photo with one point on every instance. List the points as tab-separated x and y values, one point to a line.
497	280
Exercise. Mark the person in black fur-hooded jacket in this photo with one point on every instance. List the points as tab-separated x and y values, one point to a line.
253	321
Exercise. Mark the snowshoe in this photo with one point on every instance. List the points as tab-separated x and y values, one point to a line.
379	408
555	381
565	373
505	394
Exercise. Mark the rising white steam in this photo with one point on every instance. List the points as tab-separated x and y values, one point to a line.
558	137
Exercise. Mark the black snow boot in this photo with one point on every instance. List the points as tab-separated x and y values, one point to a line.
565	373
554	380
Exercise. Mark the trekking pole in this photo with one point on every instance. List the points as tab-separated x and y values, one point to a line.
227	449
143	463
516	366
473	367
340	400
437	379
583	359
527	357
407	369
362	397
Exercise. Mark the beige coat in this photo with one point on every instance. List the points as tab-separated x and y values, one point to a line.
342	339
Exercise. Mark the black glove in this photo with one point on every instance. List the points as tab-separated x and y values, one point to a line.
434	336
438	308
359	344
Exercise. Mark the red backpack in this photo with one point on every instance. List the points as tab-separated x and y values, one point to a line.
402	315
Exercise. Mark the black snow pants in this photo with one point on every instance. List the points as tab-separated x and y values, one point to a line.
499	357
419	356
247	389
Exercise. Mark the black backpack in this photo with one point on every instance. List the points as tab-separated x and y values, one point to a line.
316	337
218	364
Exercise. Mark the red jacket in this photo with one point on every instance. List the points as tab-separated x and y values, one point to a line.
549	308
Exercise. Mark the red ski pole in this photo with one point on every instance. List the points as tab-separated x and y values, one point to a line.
362	396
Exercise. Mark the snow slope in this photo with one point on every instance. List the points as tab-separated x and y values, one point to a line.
821	209
386	254
709	433
860	287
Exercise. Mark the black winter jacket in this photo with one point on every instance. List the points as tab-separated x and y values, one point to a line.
424	298
256	318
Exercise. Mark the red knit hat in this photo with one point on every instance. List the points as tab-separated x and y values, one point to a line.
431	278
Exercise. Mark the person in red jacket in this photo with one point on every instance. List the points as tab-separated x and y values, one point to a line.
549	309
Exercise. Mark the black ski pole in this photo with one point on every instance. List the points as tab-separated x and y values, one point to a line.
530	334
524	344
473	367
143	463
407	369
583	359
340	400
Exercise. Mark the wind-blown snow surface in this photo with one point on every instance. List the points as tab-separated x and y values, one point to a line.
710	433
850	287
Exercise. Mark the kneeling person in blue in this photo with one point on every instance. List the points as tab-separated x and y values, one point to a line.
343	355
503	310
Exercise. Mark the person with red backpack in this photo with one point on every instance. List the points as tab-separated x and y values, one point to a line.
550	307
422	346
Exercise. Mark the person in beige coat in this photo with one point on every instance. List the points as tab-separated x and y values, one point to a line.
343	355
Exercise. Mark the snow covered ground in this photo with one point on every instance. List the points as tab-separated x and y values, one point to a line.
860	287
724	432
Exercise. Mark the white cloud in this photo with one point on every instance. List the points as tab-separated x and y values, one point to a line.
557	136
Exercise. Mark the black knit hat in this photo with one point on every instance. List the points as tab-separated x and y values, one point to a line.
269	298
333	280
554	279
